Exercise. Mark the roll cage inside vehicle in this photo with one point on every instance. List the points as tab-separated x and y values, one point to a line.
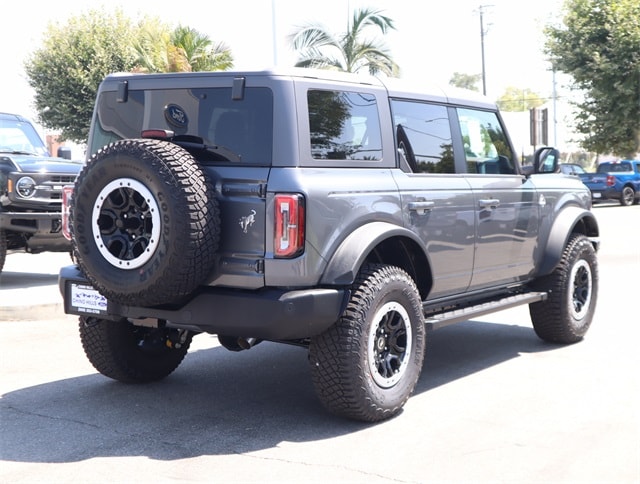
344	214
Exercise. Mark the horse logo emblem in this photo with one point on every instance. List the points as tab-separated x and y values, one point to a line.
248	221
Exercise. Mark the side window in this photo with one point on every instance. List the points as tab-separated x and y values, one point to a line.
423	136
485	143
344	126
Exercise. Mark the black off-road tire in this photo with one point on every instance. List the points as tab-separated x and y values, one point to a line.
627	197
3	248
132	354
366	366
566	315
145	222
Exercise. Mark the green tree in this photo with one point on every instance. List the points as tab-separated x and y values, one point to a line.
154	51
184	49
465	81
201	53
66	71
598	45
74	58
515	99
349	51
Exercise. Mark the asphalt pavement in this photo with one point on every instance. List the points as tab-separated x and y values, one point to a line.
29	286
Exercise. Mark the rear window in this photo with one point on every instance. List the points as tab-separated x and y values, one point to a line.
614	167
244	126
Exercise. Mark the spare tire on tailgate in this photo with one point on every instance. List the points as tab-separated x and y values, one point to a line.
145	222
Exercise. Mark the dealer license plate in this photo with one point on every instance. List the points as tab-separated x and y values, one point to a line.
596	195
84	299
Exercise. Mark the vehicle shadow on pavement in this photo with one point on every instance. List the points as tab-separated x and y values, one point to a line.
460	350
19	280
219	403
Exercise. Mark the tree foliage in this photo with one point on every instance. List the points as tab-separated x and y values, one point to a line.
158	49
74	58
465	81
517	100
350	51
598	45
66	71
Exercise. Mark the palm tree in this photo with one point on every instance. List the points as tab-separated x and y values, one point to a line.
182	50
348	52
200	52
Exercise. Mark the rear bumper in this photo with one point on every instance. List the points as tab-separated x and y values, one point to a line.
269	314
605	194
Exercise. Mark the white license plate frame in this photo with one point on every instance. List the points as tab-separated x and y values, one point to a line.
84	299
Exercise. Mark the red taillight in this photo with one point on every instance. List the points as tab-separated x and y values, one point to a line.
611	180
157	133
67	192
289	229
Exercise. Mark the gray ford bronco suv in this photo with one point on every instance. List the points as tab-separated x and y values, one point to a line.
348	215
31	183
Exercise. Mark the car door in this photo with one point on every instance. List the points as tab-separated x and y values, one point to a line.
437	203
505	203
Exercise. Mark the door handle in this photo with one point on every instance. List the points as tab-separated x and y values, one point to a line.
490	203
421	207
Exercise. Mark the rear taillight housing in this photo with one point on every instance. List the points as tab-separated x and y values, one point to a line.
67	192
288	241
611	180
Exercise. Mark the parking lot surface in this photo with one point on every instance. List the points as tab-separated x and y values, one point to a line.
493	404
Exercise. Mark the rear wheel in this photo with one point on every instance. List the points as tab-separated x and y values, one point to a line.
627	197
568	311
132	354
366	366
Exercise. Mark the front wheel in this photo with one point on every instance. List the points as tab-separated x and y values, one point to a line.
366	365
132	354
568	311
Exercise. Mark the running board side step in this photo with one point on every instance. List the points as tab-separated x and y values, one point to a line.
459	315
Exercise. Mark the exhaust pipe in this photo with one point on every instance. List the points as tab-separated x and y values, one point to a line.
237	343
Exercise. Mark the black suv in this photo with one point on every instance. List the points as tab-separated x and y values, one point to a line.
31	184
343	214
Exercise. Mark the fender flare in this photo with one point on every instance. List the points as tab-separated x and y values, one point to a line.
563	226
354	249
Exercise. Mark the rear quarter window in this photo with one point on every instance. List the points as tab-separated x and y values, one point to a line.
344	126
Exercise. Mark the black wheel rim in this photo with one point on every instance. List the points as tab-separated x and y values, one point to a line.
126	223
389	345
582	286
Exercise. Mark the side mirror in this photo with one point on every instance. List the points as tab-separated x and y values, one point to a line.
546	160
64	152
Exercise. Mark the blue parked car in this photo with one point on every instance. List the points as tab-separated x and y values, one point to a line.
615	180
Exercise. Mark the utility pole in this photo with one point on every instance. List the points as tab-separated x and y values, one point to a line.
555	110
483	32
274	37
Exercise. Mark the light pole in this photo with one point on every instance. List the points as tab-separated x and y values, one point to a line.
482	34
